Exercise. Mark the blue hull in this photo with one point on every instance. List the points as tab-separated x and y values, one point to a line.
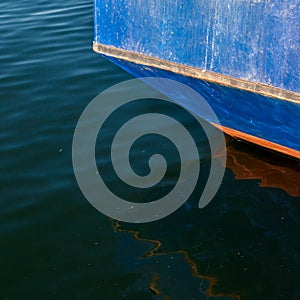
241	56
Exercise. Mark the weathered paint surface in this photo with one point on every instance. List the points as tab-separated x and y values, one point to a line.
267	118
256	40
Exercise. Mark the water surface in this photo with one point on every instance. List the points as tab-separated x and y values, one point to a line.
55	245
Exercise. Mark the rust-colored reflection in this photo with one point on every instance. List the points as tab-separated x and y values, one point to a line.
155	251
251	162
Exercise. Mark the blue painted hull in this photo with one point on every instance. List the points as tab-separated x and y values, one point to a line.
241	56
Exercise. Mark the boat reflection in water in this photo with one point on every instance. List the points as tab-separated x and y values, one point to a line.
249	162
243	245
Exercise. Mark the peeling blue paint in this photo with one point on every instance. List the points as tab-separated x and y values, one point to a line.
256	40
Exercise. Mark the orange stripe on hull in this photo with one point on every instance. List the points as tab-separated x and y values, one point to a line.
261	142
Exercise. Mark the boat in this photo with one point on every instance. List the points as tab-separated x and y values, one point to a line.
242	56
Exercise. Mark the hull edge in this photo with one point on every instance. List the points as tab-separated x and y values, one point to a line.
254	87
283	96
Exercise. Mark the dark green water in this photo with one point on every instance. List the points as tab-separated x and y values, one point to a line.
55	245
